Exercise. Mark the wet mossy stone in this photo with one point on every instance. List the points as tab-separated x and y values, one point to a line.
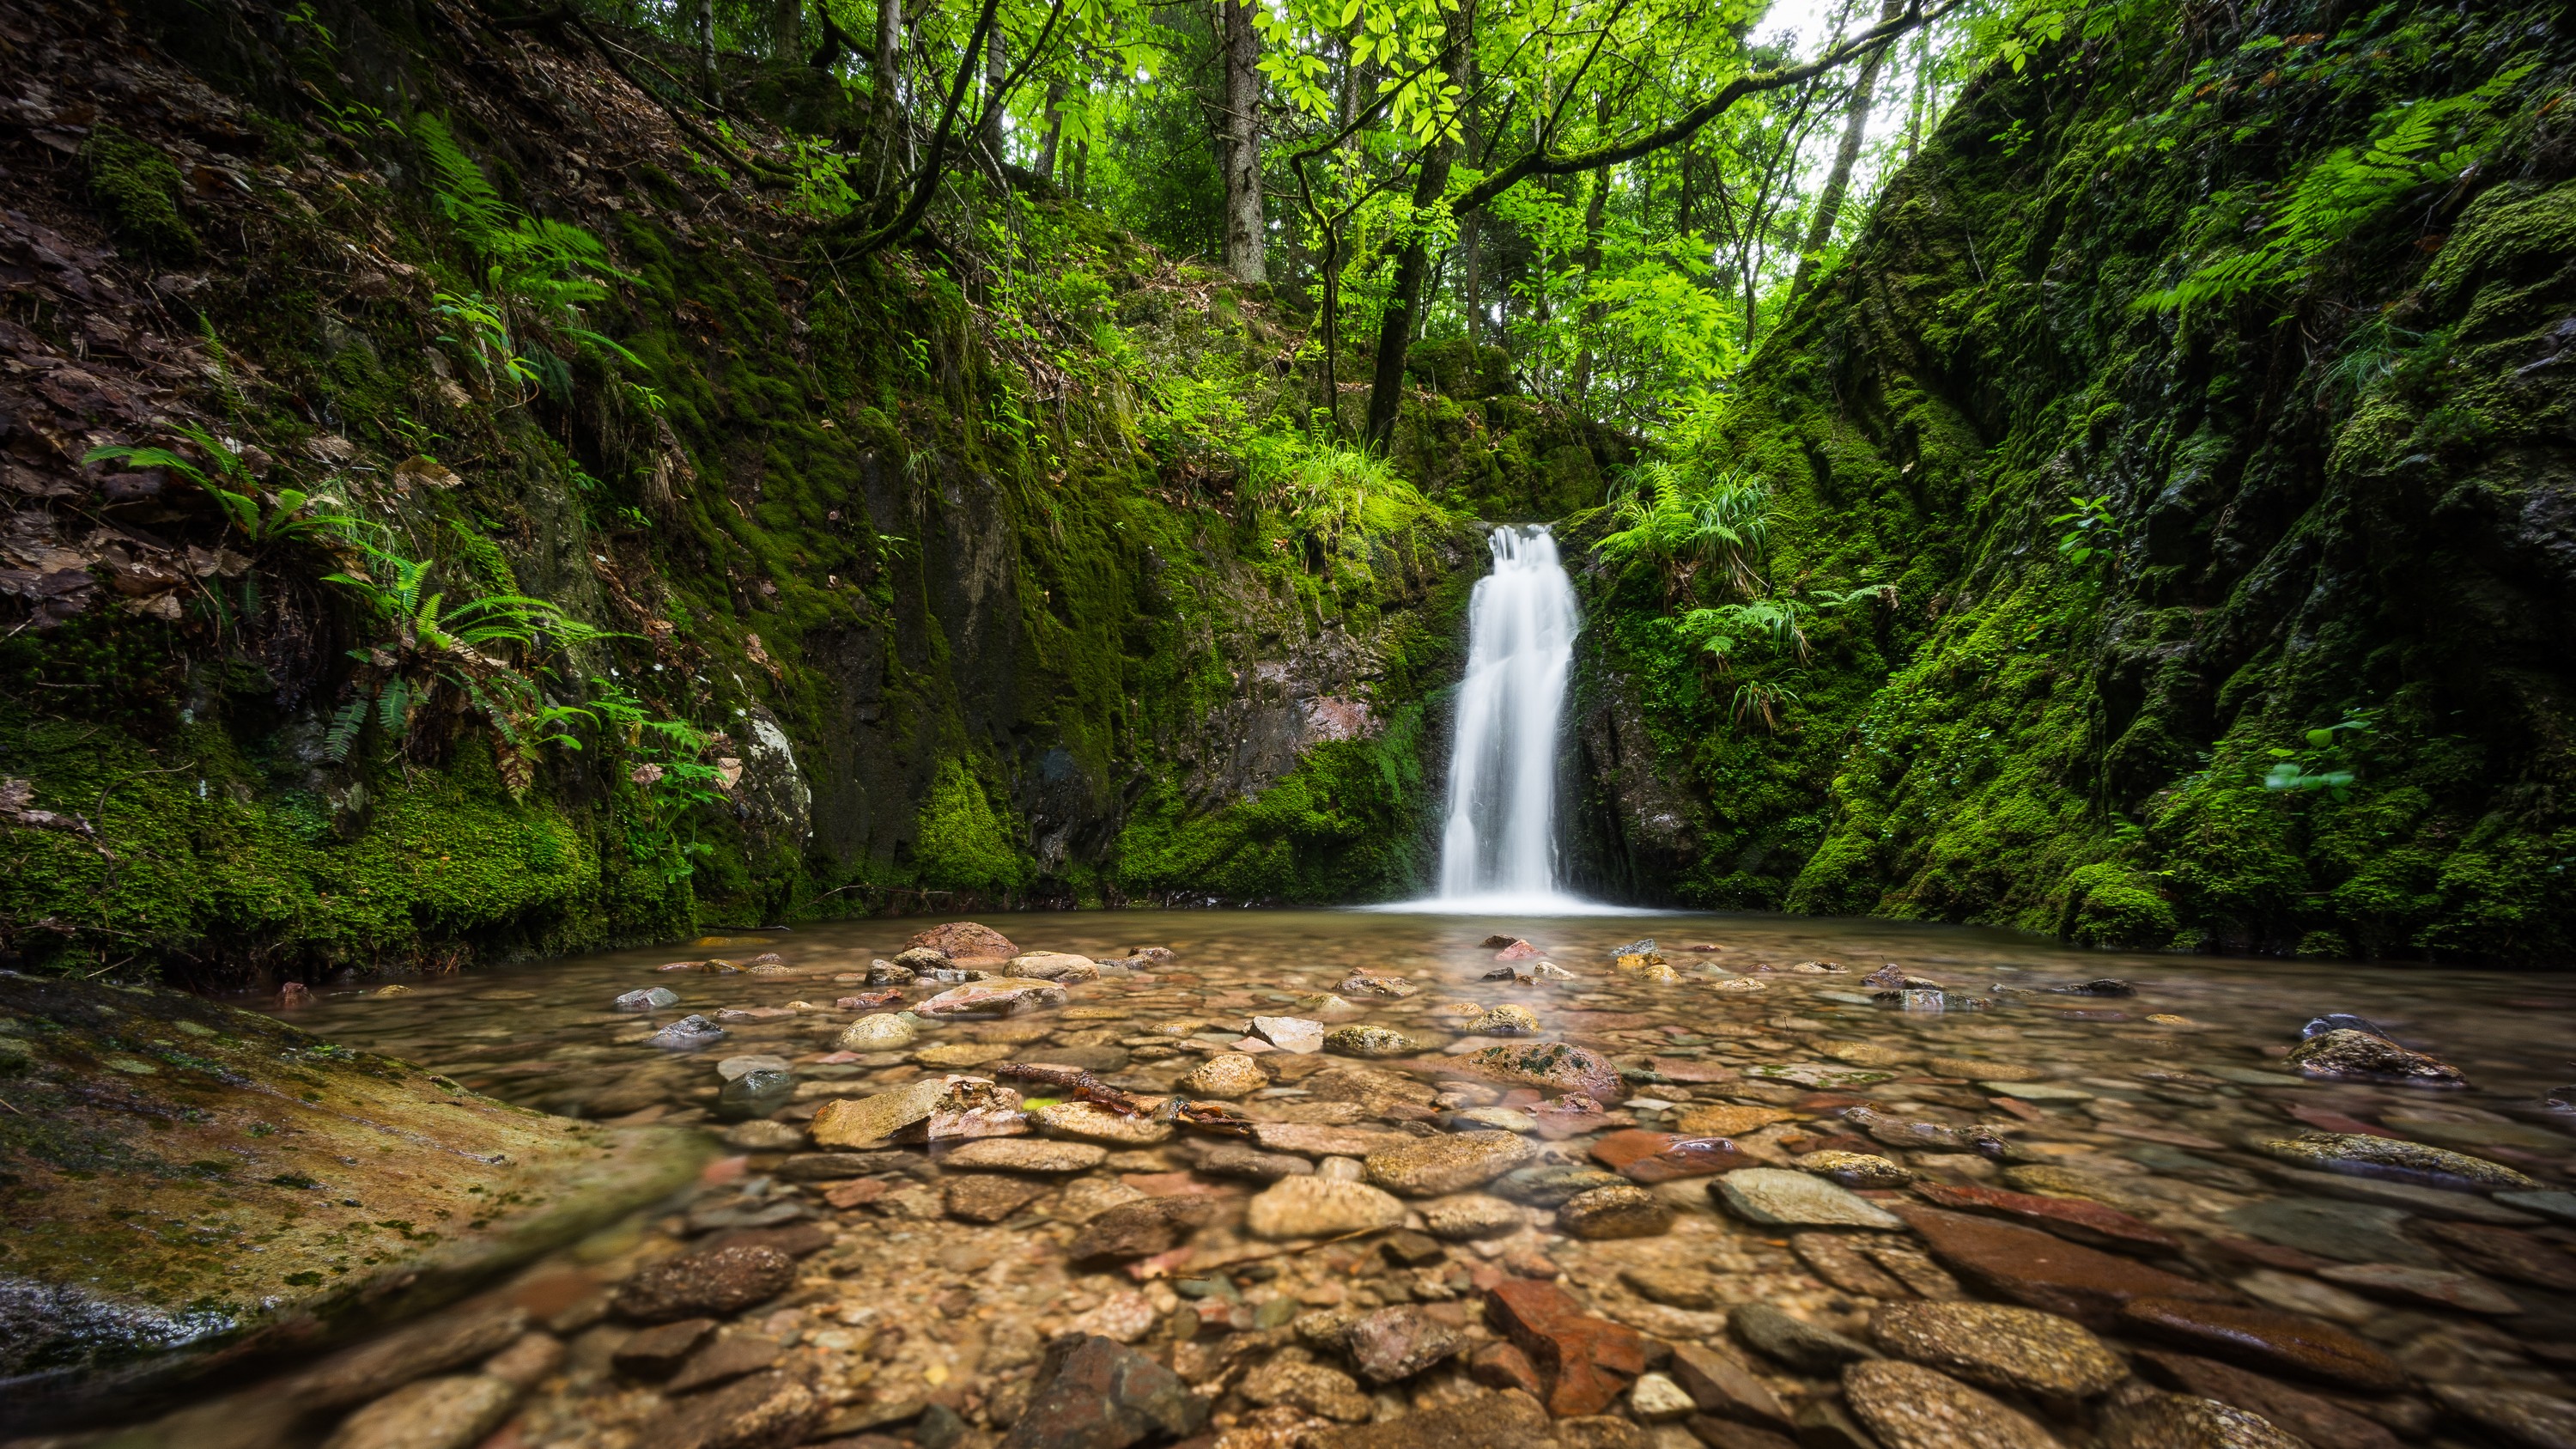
188	1185
140	190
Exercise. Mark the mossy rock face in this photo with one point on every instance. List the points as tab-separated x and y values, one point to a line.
139	190
188	1184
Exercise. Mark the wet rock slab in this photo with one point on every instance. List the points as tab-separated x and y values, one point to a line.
263	1135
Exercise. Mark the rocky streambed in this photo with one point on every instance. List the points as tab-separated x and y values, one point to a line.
1336	1179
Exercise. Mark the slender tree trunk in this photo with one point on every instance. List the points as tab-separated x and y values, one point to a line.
885	77
1247	239
1593	314
1395	329
787	30
1081	177
1829	202
700	17
1471	227
996	70
1054	129
1922	83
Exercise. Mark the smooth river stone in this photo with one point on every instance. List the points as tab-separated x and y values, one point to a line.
1321	1139
2264	1339
2431	1202
883	1032
2041	1270
2366	1156
1471	1215
2348	1232
1548	1066
1778	1197
1999	1347
1438	1166
1613	1212
2323	1423
1053	966
2522	1416
1024	1154
1083	1122
1290	1033
2154	1420
1908	1406
1319	1207
2080	1219
1653	1157
1807	1347
2360	1056
1728	1120
998	996
2438	1287
1227	1075
964	938
2549	1202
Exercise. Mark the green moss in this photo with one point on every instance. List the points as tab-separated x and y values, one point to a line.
140	191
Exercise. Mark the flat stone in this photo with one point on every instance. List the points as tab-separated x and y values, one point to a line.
2524	1416
2548	1202
882	1032
1908	1406
874	1120
963	938
2041	1270
2152	1420
1982	1071
2348	1232
1716	1433
2075	1218
1830	1256
2264	1339
1469	1216
1320	1207
434	1345
2507	1253
1586	1362
1393	1344
2360	1056
1999	1347
995	996
1371	1041
1548	1066
454	1412
1084	1122
714	1282
1320	1389
1816	1075
1227	1075
962	1054
1453	1162
2037	1091
729	1357
2319	1421
1100	1394
988	1197
1055	966
1725	1119
1551	1184
649	998
1140	1229
1508	1420
1613	1212
1653	1157
654	1352
834	1166
1316	1139
1023	1154
1855	1169
1656	1399
1290	1033
1509	1019
1720	1386
2431	1202
763	1411
2363	1155
2438	1287
1777	1197
1807	1347
1234	1159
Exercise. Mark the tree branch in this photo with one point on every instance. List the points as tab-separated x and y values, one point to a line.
931	167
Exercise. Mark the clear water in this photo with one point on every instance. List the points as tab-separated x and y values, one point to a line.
1498	849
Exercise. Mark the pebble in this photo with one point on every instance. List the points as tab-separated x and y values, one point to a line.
1024	1154
1084	1122
1318	1207
2181	1421
1509	1019
1999	1347
1613	1212
708	1281
1909	1406
1290	1033
1371	1041
1394	1344
453	1412
1776	1197
1656	1399
1469	1216
1855	1169
1227	1075
763	1136
1291	1378
2345	1054
1807	1347
883	1032
2364	1155
2264	1339
1437	1166
650	998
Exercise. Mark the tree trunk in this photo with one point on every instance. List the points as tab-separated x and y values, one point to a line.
1246	237
885	80
1395	329
1593	313
1054	129
1829	202
787	30
700	18
996	70
1922	84
1471	226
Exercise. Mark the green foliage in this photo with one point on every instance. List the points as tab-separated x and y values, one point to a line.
140	190
959	842
1688	524
2327	762
2090	530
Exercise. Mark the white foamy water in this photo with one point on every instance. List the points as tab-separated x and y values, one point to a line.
1499	850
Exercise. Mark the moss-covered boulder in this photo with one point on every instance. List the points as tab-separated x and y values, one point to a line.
187	1184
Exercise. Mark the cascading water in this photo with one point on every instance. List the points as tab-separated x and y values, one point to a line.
1499	849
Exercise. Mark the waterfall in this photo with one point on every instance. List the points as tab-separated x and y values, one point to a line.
1499	849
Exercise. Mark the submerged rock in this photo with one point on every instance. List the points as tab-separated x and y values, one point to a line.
650	998
1509	1019
1585	1362
1613	1212
996	996
2263	1338
1807	1347
2360	1056
2365	1155
708	1282
1319	1207
2183	1421
883	1032
688	1034
1550	1067
1437	1166
1227	1075
1371	1041
964	938
1776	1197
1855	1169
1393	1344
1909	1406
2000	1347
262	1134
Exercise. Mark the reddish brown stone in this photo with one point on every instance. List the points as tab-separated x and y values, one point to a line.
2042	1270
1587	1362
2269	1255
2326	1121
1691	1069
2085	1222
1652	1157
961	939
1501	1365
2505	1253
2264	1338
2304	1414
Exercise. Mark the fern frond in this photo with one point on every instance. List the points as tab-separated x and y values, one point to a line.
463	191
343	734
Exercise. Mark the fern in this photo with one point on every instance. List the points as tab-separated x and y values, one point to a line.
343	734
464	193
